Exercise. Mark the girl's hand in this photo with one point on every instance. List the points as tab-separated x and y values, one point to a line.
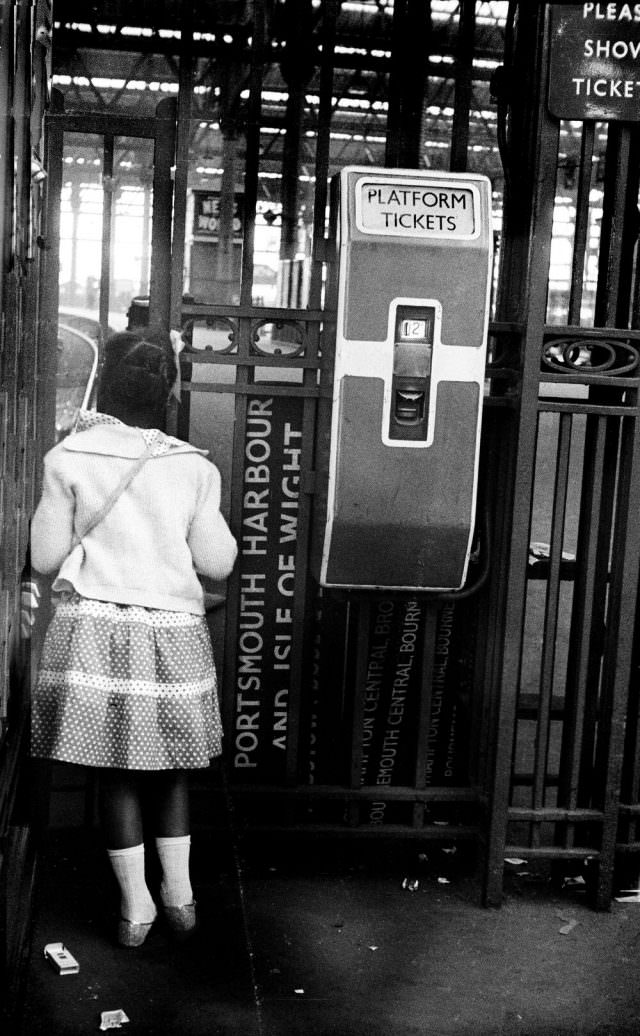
213	601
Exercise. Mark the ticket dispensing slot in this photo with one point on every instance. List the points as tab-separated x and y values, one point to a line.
412	359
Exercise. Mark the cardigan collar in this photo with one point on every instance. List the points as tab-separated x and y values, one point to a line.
101	433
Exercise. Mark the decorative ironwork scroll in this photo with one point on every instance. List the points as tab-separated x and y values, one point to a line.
591	354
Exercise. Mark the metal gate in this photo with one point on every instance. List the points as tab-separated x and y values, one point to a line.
564	621
345	714
496	718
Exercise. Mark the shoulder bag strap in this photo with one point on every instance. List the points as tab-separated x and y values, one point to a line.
103	511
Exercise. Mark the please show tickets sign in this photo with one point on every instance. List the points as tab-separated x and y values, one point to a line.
594	62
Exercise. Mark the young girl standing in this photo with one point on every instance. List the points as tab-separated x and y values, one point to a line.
129	517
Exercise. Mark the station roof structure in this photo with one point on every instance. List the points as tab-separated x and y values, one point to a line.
122	56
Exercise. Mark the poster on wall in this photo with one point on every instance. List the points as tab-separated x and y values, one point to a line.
206	216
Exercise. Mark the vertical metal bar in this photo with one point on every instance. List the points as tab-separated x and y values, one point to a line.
180	184
302	608
357	712
424	707
394	96
532	296
614	590
252	162
616	666
631	786
183	136
409	49
75	220
301	605
582	222
614	214
290	165
635	301
243	374
296	67
463	95
629	235
323	145
49	273
579	656
145	244
108	191
601	590
22	123
164	156
224	261
499	430
7	16
606	314
551	613
235	521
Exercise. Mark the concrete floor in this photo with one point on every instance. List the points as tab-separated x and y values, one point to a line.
329	940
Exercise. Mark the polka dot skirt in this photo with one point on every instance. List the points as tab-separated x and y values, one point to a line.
128	687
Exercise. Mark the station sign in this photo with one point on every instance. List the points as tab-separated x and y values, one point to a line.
594	62
267	579
397	675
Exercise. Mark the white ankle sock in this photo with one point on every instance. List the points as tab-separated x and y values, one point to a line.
128	866
173	854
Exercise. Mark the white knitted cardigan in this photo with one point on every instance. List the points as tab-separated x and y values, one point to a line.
164	531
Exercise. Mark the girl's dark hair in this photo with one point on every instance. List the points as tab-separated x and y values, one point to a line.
138	372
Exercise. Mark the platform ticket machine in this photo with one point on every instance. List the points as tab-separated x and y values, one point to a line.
412	284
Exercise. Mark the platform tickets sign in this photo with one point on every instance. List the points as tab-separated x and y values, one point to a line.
594	67
415	209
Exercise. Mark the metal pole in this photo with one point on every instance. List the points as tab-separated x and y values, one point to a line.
182	165
464	86
6	143
296	67
165	145
409	51
108	193
525	262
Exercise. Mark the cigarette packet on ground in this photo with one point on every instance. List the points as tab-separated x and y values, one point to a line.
112	1019
59	957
